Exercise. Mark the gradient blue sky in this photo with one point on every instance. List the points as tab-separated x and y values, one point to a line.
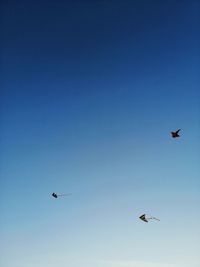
89	94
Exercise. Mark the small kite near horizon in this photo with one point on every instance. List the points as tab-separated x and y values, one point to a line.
60	195
146	218
175	134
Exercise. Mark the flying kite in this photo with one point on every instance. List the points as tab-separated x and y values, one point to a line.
146	218
61	195
175	134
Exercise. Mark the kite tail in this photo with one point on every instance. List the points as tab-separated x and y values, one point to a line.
155	218
62	195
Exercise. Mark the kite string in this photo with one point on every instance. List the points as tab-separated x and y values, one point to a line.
154	218
62	195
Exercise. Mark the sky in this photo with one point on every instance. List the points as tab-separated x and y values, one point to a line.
90	91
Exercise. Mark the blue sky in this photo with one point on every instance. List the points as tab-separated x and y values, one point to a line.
89	94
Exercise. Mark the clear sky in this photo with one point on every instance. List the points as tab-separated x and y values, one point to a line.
90	91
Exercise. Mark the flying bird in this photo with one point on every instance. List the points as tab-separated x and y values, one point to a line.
175	134
146	218
61	195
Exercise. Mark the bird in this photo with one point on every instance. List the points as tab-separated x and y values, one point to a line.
175	134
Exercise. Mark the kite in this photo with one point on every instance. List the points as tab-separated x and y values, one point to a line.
146	218
175	134
61	195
